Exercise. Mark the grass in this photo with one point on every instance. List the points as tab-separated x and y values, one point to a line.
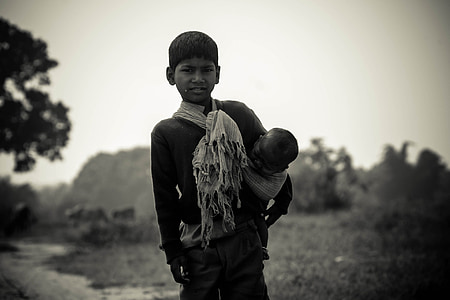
395	250
329	258
133	265
377	250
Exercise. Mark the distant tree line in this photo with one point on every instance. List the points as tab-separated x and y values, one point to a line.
323	178
395	177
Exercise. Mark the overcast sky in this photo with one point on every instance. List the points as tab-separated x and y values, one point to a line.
360	74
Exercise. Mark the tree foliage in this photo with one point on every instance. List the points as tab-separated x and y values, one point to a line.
395	177
428	174
12	195
322	178
30	123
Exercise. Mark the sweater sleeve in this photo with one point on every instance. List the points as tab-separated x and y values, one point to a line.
166	195
284	197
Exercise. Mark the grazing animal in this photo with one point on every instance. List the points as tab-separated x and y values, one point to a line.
123	215
22	218
81	215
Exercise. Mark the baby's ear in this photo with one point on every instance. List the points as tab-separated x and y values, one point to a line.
170	75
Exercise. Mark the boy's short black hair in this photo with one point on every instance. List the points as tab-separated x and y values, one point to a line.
192	44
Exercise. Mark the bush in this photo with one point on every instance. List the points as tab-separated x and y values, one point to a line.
112	233
13	196
323	179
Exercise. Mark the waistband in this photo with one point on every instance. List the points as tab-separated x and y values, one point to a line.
241	227
245	225
191	233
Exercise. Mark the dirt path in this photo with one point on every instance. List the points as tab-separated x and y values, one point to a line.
25	272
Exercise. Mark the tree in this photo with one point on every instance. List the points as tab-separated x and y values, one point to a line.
393	176
30	123
323	178
427	174
12	195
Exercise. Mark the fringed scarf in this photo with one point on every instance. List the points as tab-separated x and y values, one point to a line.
219	159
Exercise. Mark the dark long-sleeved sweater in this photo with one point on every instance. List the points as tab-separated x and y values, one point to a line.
173	142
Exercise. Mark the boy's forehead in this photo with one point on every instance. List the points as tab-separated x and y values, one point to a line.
197	61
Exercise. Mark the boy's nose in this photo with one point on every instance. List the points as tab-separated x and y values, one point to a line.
197	77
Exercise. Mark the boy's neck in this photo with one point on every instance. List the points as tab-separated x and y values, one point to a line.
207	107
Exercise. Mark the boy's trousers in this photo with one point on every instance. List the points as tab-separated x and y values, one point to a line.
231	266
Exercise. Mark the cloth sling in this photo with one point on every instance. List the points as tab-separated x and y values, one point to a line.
219	166
265	186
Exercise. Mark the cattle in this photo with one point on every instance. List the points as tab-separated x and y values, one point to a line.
82	215
125	215
22	218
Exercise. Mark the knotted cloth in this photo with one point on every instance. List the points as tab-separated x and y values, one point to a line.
219	159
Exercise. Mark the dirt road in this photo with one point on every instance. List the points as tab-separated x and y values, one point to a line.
26	276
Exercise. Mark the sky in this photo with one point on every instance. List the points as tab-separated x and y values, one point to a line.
359	74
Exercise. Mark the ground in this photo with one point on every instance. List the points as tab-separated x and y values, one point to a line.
24	275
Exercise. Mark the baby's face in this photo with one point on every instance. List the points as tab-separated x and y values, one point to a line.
266	161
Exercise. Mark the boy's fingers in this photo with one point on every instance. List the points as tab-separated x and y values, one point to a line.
179	277
178	269
184	274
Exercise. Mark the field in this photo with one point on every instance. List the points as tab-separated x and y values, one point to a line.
393	250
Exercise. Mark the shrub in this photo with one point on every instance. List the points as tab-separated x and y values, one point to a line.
112	233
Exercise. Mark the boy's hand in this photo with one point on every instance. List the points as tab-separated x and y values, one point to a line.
273	214
178	267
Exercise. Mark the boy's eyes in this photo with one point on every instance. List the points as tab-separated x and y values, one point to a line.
190	70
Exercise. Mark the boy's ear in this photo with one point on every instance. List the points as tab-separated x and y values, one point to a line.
217	74
170	75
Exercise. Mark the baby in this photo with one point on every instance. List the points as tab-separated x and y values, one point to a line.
267	171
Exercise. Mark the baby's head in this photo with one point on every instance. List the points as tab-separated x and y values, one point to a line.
274	151
192	44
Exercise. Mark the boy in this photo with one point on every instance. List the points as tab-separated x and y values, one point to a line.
267	171
230	265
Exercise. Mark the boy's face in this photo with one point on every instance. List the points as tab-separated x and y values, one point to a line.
195	79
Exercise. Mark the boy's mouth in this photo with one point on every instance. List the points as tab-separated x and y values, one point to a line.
197	89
